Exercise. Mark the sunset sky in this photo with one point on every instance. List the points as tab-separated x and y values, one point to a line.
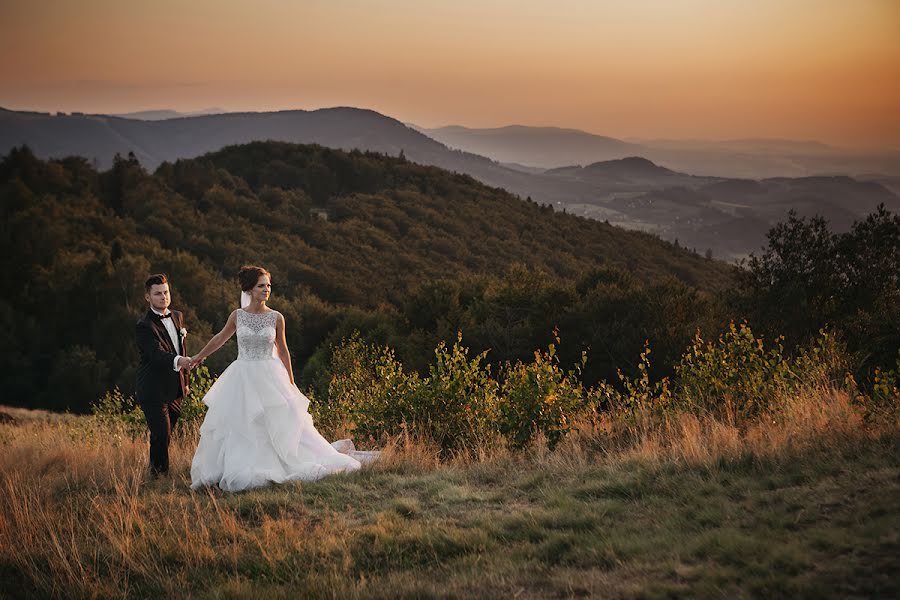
705	69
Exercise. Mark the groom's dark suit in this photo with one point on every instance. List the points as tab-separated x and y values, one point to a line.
160	387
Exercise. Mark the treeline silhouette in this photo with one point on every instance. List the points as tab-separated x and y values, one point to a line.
406	254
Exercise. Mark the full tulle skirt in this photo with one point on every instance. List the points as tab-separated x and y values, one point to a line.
258	430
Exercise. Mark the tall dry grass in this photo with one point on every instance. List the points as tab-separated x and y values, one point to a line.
80	518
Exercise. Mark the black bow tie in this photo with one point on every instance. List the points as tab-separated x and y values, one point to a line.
165	316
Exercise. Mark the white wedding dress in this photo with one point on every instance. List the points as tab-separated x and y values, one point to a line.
258	428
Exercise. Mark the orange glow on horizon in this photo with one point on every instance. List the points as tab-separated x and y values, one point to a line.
706	69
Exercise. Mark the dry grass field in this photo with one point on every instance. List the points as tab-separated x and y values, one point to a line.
805	505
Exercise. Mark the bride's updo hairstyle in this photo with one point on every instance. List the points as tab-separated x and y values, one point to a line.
249	275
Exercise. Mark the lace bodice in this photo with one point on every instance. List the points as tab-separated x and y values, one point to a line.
255	335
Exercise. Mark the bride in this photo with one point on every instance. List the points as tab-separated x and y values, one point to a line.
258	428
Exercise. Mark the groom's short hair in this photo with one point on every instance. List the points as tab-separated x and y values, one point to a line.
158	279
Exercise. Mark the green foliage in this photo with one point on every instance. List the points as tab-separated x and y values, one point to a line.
192	407
637	394
735	372
884	400
85	239
120	412
540	396
460	405
409	255
810	278
116	412
822	361
887	385
368	389
738	376
614	315
457	402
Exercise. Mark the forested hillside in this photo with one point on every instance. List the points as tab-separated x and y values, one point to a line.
725	217
405	252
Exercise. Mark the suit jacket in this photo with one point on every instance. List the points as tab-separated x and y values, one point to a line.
157	380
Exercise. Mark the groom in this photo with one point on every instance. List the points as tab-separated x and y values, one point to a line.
162	371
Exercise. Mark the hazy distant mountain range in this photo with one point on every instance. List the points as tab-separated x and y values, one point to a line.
729	216
549	147
160	115
541	147
633	185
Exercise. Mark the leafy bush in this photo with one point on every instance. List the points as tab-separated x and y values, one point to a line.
368	389
457	403
884	400
192	407
540	396
809	278
736	375
117	411
638	394
887	385
460	405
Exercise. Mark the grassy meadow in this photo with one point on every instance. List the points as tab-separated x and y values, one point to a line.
805	503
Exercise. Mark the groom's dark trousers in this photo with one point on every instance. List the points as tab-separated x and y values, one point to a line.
160	388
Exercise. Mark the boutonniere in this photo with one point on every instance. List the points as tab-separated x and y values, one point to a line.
183	332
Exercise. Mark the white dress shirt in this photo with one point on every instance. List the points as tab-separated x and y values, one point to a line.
173	335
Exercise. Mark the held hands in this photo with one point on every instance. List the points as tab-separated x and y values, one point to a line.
189	362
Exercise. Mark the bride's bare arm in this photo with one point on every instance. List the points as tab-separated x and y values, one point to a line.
217	340
281	346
